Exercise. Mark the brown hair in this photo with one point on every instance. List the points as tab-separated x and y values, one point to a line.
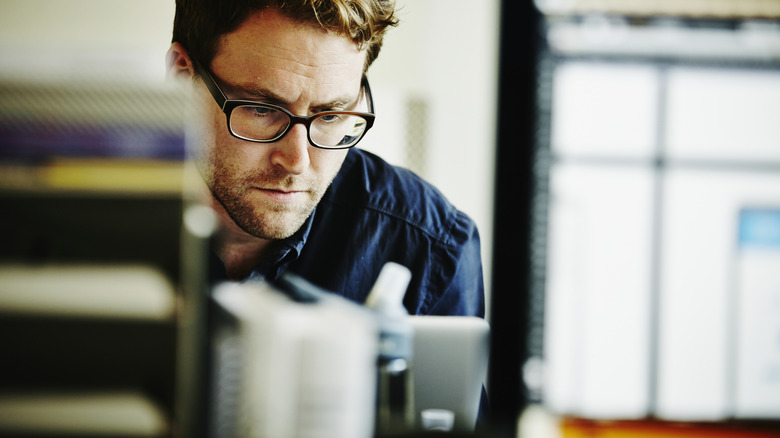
199	24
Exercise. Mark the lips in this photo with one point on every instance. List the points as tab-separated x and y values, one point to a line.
286	190
282	195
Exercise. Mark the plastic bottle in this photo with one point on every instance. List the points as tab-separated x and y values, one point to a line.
395	390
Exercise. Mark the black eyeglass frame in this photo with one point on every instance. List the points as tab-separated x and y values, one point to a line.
228	105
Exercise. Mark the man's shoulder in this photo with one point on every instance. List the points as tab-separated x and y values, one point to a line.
368	182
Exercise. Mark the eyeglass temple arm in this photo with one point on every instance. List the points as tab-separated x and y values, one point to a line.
211	84
364	83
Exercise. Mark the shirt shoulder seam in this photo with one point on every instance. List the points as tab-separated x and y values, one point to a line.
441	238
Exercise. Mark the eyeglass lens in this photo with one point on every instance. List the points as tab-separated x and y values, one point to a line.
334	129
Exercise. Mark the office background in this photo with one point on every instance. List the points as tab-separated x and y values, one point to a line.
658	155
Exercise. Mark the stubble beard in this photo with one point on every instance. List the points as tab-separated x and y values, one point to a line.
265	220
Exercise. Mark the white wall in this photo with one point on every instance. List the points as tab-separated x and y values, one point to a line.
59	37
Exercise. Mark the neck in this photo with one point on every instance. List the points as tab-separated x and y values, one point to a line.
240	253
239	250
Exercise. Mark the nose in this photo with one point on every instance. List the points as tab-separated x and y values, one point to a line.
292	151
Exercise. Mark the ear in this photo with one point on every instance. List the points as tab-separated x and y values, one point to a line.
178	62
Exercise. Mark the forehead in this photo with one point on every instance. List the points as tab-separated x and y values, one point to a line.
272	50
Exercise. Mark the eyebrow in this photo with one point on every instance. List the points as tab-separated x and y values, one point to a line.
269	96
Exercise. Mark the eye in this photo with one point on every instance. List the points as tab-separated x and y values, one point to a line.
261	111
330	118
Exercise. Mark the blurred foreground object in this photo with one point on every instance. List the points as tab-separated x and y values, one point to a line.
290	360
96	263
658	192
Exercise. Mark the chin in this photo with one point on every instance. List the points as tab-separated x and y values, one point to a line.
278	227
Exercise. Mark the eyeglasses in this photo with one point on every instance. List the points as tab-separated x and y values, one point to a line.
266	123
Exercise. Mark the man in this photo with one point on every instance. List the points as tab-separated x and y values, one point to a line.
297	196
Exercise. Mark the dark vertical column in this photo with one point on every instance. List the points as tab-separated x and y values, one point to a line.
657	220
514	186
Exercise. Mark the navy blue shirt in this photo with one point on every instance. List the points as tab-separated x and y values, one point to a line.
375	213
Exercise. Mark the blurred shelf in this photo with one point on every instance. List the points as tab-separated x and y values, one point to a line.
95	176
578	428
538	422
747	41
118	414
731	9
87	291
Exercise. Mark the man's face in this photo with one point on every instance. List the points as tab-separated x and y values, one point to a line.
269	189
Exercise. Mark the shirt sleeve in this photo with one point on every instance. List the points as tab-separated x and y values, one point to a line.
460	277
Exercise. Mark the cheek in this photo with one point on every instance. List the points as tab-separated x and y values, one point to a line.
327	163
206	130
219	149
